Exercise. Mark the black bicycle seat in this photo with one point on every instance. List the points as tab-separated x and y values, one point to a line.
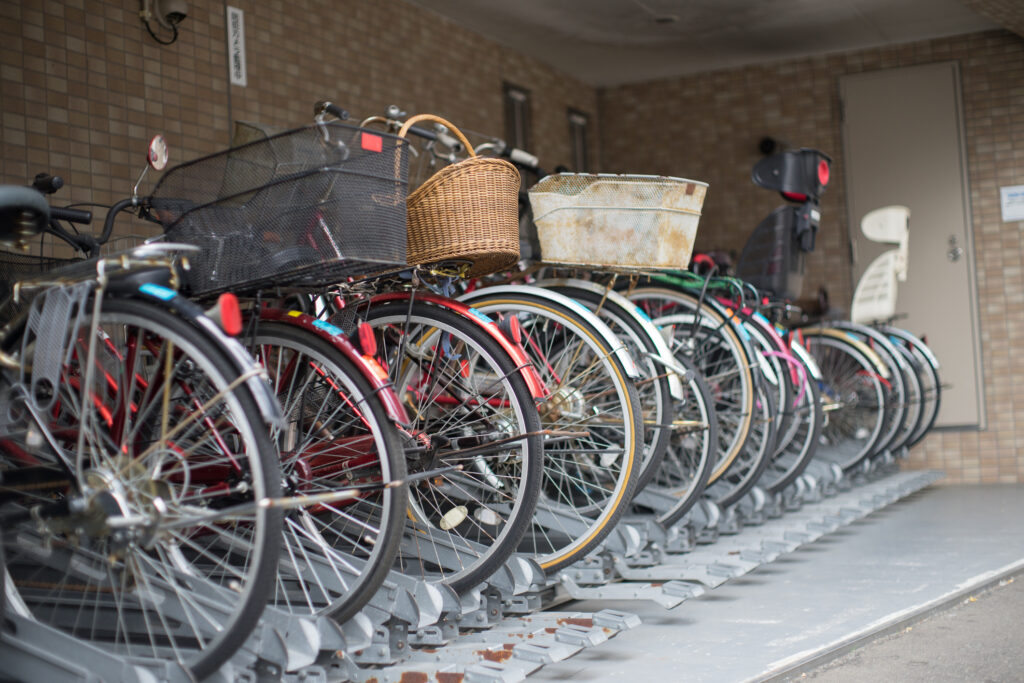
24	213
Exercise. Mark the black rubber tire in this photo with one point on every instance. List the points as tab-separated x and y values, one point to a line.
380	556
602	516
206	362
441	318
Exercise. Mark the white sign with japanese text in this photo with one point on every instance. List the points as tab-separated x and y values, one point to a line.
236	46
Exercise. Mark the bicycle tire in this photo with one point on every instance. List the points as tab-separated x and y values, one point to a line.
800	426
931	385
479	551
853	396
898	397
720	355
590	479
653	391
686	468
154	366
336	433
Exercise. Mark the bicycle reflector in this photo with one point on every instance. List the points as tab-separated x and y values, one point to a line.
367	340
510	327
227	314
823	172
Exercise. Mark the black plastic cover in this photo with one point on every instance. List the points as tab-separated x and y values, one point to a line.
798	174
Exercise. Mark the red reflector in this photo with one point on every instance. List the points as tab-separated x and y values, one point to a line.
795	196
509	326
823	172
367	340
371	142
230	314
515	330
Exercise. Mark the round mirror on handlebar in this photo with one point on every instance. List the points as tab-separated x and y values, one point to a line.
157	156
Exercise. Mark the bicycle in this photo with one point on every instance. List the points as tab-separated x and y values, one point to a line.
136	455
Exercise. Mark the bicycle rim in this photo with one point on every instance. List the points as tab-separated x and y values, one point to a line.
336	435
588	480
469	407
140	562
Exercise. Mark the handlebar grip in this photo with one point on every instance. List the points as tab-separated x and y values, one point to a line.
332	109
423	133
47	184
523	158
71	215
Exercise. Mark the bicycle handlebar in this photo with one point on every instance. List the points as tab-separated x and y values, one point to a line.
330	108
71	215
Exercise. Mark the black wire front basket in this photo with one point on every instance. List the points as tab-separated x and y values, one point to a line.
307	207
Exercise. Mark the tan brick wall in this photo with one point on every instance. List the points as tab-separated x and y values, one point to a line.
1007	13
707	126
83	86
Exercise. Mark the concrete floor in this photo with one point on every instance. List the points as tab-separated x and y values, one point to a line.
871	578
978	639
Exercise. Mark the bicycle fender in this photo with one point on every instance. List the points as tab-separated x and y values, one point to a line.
258	383
641	317
614	343
805	357
368	366
878	337
880	365
914	341
538	389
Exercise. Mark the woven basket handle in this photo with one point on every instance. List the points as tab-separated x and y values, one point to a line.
437	119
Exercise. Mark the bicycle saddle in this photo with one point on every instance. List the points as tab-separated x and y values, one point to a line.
24	213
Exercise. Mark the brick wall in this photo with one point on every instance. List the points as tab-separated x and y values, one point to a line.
83	86
707	126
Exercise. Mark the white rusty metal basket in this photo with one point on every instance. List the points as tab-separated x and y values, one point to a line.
622	221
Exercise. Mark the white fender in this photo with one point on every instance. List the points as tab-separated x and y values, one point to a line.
618	348
664	352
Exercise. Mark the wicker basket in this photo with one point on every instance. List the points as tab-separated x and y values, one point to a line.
465	213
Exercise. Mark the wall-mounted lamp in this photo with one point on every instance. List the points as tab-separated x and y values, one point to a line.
167	13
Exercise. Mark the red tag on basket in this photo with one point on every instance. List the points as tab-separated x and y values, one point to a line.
371	142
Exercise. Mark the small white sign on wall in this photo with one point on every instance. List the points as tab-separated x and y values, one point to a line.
236	46
1011	199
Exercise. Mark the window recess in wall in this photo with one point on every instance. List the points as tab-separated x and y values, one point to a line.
517	116
578	125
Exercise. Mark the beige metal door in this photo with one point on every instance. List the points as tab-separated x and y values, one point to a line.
903	143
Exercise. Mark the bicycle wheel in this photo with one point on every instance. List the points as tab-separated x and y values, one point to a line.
718	352
747	468
852	394
469	406
686	468
928	374
800	421
128	517
653	390
336	435
588	480
895	384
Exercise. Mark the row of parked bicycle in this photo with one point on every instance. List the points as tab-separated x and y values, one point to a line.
317	379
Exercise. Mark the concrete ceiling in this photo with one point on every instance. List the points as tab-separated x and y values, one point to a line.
611	42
